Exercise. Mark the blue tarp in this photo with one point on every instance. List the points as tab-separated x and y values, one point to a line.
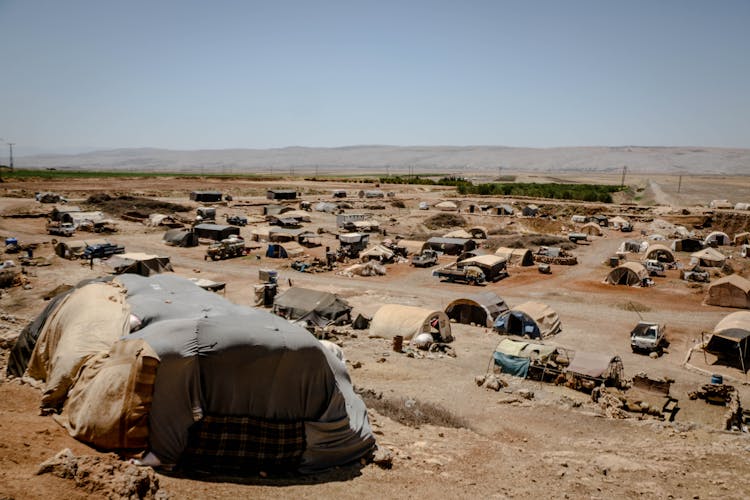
528	325
512	365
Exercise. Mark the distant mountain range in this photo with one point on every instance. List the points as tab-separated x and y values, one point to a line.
398	160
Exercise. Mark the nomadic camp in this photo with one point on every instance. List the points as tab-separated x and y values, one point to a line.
708	257
192	378
480	309
730	340
729	291
447	206
530	319
516	256
180	238
450	246
592	229
206	196
284	250
408	322
216	232
312	306
629	273
716	238
659	252
139	263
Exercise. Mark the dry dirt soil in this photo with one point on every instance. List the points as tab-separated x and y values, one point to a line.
556	444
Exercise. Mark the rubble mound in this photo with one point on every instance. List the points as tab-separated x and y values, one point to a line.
105	475
118	205
444	221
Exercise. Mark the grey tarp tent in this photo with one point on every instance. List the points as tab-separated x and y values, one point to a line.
139	263
480	309
730	340
216	232
237	388
180	238
318	307
532	319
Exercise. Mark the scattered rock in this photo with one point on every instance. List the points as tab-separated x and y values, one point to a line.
356	364
382	457
525	393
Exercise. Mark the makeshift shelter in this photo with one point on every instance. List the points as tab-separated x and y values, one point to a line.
708	257
156	220
629	273
721	204
596	367
530	319
73	249
446	206
514	357
313	306
591	228
617	222
503	210
458	233
659	252
479	232
578	219
80	218
260	233
687	245
530	210
236	388
288	250
206	196
282	234
632	246
216	232
450	246
493	266
139	263
516	256
412	247
741	238
325	207
372	193
729	340
481	309
339	193
281	194
717	238
378	252
742	206
729	291
408	321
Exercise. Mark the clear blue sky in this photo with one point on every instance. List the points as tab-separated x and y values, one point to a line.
80	75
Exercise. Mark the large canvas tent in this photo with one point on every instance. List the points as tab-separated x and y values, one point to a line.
284	251
216	232
72	249
139	263
314	306
591	228
629	273
516	256
717	238
729	340
531	319
708	257
687	245
203	382
446	206
480	309
408	321
450	246
659	252
729	291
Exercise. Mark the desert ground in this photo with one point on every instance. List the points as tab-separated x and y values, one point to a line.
556	444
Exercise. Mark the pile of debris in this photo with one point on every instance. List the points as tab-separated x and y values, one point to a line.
727	395
371	268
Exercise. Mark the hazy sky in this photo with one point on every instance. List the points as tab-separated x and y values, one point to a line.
79	75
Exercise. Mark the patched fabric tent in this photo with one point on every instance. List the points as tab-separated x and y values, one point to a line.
730	339
287	250
741	238
531	319
139	263
516	256
377	252
717	238
595	366
412	247
314	306
180	238
729	291
73	249
659	252
481	309
514	356
591	228
629	273
408	321
446	206
204	382
708	257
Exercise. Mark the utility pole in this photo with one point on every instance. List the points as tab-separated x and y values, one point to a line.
10	145
624	170
679	184
499	172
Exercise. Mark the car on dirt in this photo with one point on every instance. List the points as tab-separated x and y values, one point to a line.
648	337
61	228
226	249
427	258
471	275
654	267
237	220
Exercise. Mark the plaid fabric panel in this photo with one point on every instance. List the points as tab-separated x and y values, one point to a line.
245	443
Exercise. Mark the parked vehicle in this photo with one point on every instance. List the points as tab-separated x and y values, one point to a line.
427	258
205	214
647	337
102	250
61	228
626	228
654	267
226	249
471	275
576	237
237	220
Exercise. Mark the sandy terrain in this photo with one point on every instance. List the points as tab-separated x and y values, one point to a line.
557	444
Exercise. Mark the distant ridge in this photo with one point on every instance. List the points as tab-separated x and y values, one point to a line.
398	159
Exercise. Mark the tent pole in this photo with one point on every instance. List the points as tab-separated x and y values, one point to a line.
742	358
703	342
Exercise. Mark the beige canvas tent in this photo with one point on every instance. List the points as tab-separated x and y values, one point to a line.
72	249
629	273
447	206
408	321
412	247
591	228
741	238
530	319
659	252
481	309
730	339
729	291
708	257
516	256
139	263
617	222
458	233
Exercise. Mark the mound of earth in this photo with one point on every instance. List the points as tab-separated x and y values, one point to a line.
120	204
